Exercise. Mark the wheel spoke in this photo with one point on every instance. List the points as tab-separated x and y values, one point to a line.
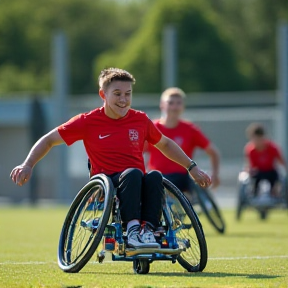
187	229
84	225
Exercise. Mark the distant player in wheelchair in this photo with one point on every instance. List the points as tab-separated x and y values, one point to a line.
262	157
261	183
114	136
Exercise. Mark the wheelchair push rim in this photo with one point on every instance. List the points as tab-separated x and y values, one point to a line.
188	229
84	225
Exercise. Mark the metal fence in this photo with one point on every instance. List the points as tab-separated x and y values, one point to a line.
222	116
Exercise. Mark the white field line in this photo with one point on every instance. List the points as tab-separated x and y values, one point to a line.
109	261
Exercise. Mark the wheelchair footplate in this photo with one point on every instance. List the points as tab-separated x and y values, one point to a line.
166	251
169	245
264	201
116	244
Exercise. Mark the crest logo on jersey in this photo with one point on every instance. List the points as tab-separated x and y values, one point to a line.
133	135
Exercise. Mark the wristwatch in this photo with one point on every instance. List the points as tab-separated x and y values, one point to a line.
191	166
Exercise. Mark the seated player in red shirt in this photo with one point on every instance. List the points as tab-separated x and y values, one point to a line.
262	156
114	136
187	135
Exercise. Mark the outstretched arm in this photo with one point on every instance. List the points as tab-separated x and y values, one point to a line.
215	161
172	151
22	173
282	161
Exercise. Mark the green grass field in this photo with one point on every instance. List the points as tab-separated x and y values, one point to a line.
252	253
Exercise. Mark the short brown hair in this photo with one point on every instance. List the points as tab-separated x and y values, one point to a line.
108	75
172	91
255	129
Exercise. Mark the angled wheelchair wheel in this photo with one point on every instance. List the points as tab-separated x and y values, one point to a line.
210	208
185	223
285	192
241	201
85	223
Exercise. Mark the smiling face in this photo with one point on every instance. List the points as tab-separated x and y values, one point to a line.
117	98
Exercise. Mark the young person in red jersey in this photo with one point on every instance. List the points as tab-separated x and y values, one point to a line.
187	135
114	136
262	157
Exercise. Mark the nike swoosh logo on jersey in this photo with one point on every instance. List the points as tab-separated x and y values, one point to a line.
104	136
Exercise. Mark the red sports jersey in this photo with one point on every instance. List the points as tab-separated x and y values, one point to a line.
187	135
263	160
111	145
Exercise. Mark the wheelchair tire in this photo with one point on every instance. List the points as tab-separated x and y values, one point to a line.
141	266
285	192
210	208
241	201
85	223
188	229
263	214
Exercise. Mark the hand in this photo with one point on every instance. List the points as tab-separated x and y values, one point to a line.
21	174
200	177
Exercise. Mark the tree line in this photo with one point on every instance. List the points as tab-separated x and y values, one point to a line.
222	45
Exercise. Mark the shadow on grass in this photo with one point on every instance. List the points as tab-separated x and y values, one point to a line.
201	274
217	274
221	275
246	235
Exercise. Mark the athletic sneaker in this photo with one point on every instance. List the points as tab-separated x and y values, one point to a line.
134	240
147	237
133	237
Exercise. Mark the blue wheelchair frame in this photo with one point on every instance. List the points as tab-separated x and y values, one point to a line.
106	231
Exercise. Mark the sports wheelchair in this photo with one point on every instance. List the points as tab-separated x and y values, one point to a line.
264	200
93	223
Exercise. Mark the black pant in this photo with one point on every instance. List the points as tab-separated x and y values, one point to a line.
140	195
271	176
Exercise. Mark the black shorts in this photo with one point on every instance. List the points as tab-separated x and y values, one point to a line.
271	176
